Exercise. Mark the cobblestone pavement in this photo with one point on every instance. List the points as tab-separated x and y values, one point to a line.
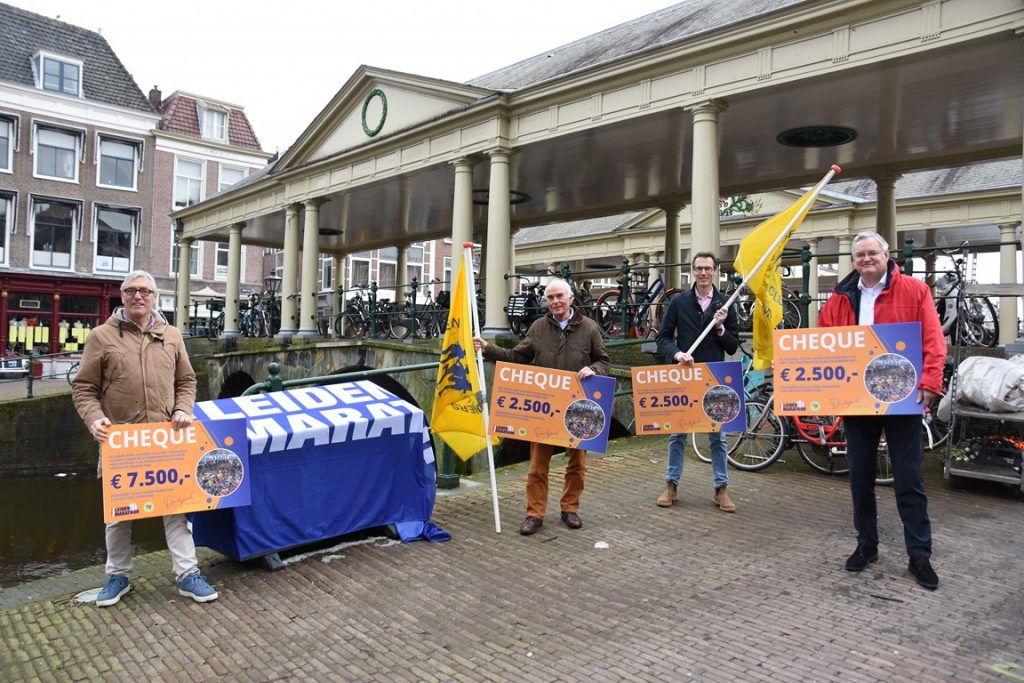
681	593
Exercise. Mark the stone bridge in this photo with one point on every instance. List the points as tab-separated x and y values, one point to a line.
231	369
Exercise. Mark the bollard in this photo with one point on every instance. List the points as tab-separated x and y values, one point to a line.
447	477
31	371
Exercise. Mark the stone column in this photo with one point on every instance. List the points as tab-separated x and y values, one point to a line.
885	208
401	276
653	273
845	264
673	279
704	228
310	268
182	311
813	287
1008	276
337	300
234	283
462	215
289	274
499	236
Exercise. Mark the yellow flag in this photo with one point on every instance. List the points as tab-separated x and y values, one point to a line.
766	282
458	411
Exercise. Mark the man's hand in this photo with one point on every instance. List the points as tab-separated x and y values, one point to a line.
585	372
180	419
925	396
479	343
683	358
98	429
720	315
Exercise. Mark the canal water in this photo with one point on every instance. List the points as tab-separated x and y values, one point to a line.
53	525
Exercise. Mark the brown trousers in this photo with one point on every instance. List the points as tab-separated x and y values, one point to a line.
537	480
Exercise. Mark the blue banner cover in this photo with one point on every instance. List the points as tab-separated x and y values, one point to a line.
323	462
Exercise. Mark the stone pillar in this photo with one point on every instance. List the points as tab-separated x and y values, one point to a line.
182	310
704	228
310	268
234	281
673	280
462	215
845	264
499	236
289	274
1008	276
813	287
337	296
885	207
401	276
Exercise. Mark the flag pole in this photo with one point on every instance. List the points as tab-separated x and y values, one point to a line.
467	265
784	234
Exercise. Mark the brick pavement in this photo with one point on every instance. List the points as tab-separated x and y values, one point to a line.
685	593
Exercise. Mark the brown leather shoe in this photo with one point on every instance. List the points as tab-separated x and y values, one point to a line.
572	520
530	526
723	501
669	495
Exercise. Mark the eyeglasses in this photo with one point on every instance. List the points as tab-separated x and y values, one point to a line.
704	269
132	291
867	254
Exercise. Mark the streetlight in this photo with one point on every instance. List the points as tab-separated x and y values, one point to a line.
271	286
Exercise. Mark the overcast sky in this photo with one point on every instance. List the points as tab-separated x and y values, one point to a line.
284	61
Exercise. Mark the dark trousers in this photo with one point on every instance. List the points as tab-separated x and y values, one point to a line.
903	435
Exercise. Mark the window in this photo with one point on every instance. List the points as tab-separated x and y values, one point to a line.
447	277
57	153
386	275
6	223
7	144
279	263
53	230
57	74
360	272
194	259
326	271
229	175
188	183
118	163
115	231
212	122
220	270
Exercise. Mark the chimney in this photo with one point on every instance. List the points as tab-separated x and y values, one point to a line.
155	98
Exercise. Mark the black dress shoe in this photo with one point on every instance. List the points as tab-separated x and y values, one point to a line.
921	569
572	520
863	556
530	526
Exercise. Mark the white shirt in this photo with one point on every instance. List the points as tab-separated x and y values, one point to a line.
867	300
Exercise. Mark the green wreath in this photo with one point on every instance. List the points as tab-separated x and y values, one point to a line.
376	92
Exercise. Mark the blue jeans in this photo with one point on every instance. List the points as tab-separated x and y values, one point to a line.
676	448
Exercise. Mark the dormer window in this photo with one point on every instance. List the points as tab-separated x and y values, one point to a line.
213	122
57	74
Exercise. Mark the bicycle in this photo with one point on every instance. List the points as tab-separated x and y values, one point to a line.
641	313
360	318
525	308
72	371
969	320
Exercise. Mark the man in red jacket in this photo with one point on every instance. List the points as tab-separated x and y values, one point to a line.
878	293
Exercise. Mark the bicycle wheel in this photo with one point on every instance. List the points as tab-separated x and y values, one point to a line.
977	323
936	430
72	371
791	317
399	322
883	465
610	314
763	441
827	458
700	444
351	324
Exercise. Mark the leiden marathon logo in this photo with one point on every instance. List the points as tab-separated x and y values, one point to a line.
125	510
794	405
651	427
503	429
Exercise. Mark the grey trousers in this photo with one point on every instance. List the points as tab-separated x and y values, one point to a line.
179	542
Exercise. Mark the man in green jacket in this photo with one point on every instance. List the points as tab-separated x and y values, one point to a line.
563	339
135	369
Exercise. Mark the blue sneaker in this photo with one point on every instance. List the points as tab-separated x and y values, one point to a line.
117	586
195	586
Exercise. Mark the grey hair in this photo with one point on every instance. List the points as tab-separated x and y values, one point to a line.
563	283
869	235
135	275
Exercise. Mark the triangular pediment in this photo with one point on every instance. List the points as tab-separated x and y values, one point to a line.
374	104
